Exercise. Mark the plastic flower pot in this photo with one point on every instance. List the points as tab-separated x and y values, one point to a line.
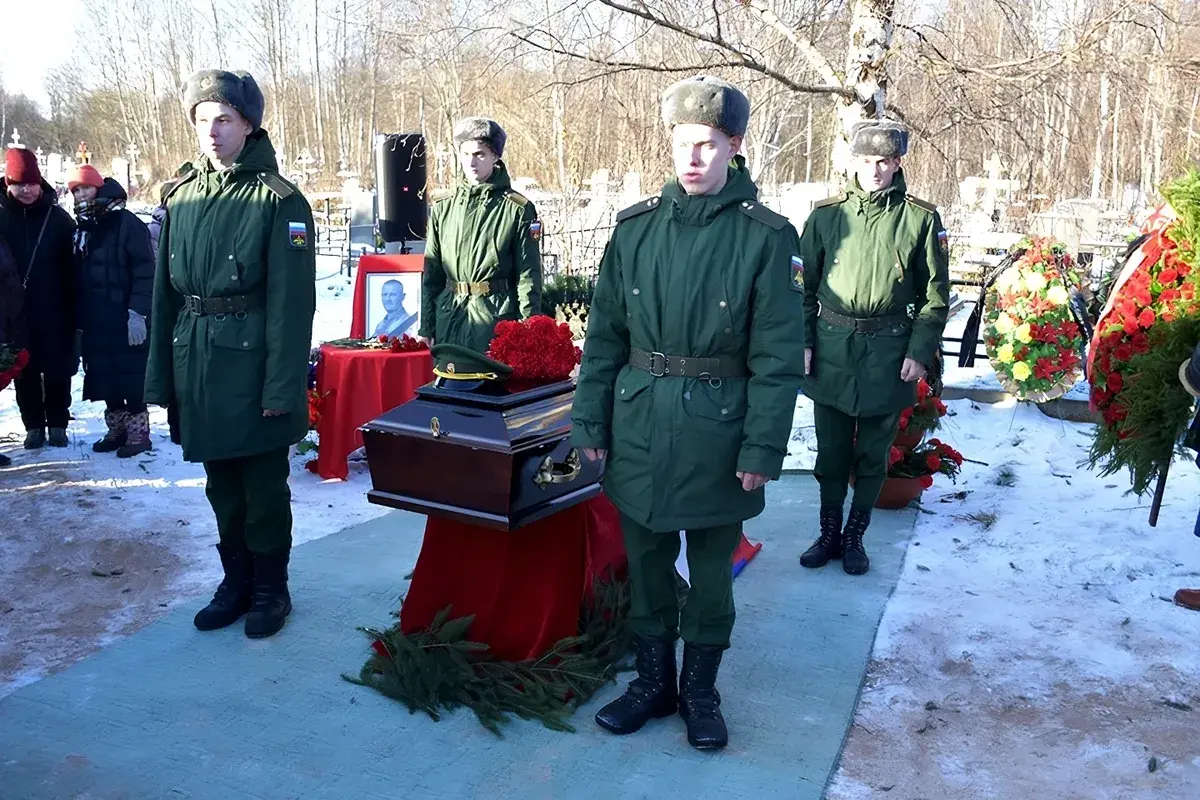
899	492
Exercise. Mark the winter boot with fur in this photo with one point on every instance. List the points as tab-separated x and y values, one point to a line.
116	436
137	429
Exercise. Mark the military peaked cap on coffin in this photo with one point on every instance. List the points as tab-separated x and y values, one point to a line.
881	138
463	369
705	100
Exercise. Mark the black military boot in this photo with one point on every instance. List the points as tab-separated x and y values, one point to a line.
651	695
699	701
35	439
58	438
854	557
232	599
271	601
829	546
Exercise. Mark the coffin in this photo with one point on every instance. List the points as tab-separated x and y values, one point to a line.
499	459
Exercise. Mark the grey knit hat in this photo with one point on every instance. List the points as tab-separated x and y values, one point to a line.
705	100
236	89
881	138
481	129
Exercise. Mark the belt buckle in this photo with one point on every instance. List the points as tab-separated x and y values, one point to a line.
195	304
715	383
654	359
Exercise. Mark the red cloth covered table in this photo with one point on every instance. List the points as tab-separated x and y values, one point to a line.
525	587
356	386
367	265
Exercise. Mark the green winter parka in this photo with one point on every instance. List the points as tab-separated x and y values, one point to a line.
243	231
688	276
871	255
483	233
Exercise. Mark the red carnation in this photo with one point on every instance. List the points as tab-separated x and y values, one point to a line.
1140	343
926	481
933	461
894	456
1123	352
1114	382
1168	276
1146	318
1130	325
903	423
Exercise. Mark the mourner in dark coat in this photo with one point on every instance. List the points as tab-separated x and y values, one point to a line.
12	312
40	233
115	268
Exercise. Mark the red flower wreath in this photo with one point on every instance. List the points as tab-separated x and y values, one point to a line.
11	365
538	349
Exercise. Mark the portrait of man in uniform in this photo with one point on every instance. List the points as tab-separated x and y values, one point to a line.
388	315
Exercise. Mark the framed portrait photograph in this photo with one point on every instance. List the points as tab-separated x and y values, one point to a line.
393	304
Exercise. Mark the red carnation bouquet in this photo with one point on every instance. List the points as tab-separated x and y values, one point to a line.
1148	328
926	415
935	457
12	362
402	344
538	349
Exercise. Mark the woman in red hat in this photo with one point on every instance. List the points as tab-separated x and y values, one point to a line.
115	265
39	233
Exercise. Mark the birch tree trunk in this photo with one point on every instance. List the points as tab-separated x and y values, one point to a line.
866	70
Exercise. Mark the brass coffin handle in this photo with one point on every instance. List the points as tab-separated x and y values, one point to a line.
549	472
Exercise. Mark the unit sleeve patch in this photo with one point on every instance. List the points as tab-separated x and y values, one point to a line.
297	235
797	274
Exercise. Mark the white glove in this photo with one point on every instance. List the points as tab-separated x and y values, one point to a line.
137	328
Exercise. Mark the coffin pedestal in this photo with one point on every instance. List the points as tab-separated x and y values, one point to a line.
490	457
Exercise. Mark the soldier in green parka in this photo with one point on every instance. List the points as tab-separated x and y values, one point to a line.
234	299
482	263
691	366
874	268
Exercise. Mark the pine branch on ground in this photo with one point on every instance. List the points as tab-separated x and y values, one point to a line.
440	669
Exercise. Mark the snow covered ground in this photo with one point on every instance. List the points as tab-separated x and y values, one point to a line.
1030	650
94	547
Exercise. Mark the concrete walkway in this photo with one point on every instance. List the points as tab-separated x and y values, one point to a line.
175	713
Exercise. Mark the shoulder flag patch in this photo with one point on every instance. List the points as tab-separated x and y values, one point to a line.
944	241
535	230
797	274
297	235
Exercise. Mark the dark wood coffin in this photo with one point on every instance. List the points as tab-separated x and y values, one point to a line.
500	459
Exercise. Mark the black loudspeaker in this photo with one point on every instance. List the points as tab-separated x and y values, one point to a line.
400	186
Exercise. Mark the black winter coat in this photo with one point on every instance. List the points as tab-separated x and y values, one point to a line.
116	274
50	288
12	301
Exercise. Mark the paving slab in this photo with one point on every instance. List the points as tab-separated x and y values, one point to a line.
172	712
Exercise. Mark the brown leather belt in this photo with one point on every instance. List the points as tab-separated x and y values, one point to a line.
234	304
482	287
862	325
663	366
